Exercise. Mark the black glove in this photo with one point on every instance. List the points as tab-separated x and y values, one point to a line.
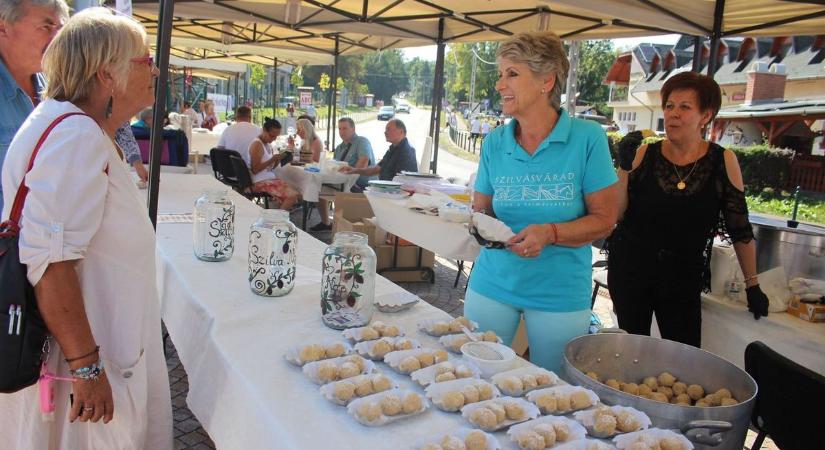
757	301
627	149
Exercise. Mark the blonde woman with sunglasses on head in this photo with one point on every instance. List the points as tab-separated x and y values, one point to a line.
96	291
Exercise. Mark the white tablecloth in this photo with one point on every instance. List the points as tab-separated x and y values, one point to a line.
727	328
231	342
309	183
203	140
447	239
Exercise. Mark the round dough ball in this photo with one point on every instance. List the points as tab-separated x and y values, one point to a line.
670	443
640	446
446	376
514	411
412	403
530	440
358	361
695	392
409	364
528	382
667	391
605	426
440	328
310	353
546	431
452	443
464	321
381	348
431	447
498	410
613	383
364	387
627	422
369	334
463	371
543	379
444	368
457	342
562	432
701	403
440	355
452	401
659	397
511	385
681	398
580	400
455	326
483	418
651	382
546	403
562	403
679	388
631	388
713	400
390	331
593	375
485	391
426	359
390	405
404	344
368	411
335	350
489	336
344	391
378	326
666	379
470	394
348	370
723	393
728	402
476	440
644	390
381	383
327	372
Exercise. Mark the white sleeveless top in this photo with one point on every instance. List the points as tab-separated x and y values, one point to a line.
266	174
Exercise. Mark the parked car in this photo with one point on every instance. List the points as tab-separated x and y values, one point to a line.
402	107
601	120
386	113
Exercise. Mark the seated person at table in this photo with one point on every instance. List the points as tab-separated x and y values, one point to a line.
357	152
239	135
400	156
191	114
144	119
262	161
311	144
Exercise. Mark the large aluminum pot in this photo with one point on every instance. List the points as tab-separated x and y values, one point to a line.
800	251
631	357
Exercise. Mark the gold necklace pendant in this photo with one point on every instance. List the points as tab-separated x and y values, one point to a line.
681	185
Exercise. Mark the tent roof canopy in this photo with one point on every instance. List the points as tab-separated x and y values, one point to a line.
370	25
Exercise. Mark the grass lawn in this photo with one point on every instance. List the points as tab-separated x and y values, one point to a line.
811	207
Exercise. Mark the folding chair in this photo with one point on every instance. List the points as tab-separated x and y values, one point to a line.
787	405
244	183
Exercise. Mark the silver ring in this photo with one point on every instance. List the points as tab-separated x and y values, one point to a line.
88	408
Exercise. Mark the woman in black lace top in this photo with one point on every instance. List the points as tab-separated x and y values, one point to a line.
677	195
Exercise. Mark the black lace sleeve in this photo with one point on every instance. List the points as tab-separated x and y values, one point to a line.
734	212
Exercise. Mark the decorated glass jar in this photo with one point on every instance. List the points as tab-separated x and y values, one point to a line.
214	227
272	253
347	281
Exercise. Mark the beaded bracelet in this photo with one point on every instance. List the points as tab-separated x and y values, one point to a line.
89	373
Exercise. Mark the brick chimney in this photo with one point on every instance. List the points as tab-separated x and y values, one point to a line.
765	86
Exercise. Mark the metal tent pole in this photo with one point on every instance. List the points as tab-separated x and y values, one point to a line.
573	78
697	54
167	8
438	90
332	119
275	87
718	12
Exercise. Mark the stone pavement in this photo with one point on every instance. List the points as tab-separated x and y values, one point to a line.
188	433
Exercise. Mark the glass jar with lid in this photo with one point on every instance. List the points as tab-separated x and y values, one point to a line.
347	281
214	227
272	253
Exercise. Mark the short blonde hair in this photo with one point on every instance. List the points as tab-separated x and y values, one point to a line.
93	39
544	54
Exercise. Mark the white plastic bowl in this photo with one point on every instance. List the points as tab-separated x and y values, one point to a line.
475	351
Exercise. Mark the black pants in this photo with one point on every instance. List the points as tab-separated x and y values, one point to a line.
643	281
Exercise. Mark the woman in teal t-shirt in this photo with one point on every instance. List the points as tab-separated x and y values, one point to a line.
550	178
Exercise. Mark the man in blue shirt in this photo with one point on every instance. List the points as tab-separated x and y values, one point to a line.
26	29
399	157
356	151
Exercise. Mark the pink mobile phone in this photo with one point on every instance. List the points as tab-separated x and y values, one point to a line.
46	394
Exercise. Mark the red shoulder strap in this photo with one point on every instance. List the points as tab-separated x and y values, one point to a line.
20	197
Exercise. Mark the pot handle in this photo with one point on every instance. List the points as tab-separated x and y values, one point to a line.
611	331
706	432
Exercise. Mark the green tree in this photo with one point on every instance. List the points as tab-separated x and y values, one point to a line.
385	74
323	83
420	74
257	75
297	77
339	83
459	79
595	59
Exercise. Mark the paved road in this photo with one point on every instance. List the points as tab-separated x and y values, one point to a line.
417	123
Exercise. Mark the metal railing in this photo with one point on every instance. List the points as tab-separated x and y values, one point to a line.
465	140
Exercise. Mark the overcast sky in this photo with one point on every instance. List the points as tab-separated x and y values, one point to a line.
428	52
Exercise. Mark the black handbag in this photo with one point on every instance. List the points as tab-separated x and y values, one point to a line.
23	332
